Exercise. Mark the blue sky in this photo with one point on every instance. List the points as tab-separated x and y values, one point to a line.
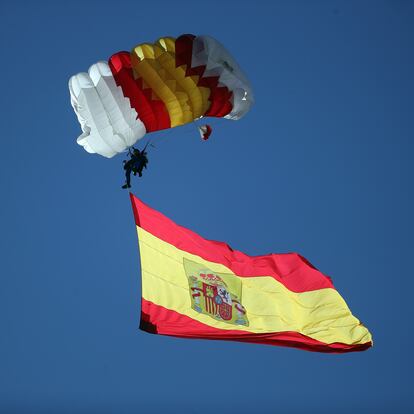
322	165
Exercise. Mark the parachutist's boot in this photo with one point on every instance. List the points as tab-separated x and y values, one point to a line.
126	186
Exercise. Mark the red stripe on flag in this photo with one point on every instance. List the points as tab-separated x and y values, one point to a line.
159	320
290	269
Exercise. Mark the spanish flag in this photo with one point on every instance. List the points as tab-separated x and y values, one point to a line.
198	288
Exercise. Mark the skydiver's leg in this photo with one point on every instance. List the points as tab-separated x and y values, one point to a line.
139	169
143	165
127	178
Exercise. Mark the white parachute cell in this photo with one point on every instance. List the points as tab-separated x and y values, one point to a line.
108	122
208	51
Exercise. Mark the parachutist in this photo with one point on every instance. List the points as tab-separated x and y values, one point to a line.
134	165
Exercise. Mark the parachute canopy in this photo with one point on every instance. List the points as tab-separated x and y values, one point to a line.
157	86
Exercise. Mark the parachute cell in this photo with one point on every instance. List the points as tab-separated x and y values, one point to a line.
108	122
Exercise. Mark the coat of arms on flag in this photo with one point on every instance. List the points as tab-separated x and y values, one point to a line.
215	294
